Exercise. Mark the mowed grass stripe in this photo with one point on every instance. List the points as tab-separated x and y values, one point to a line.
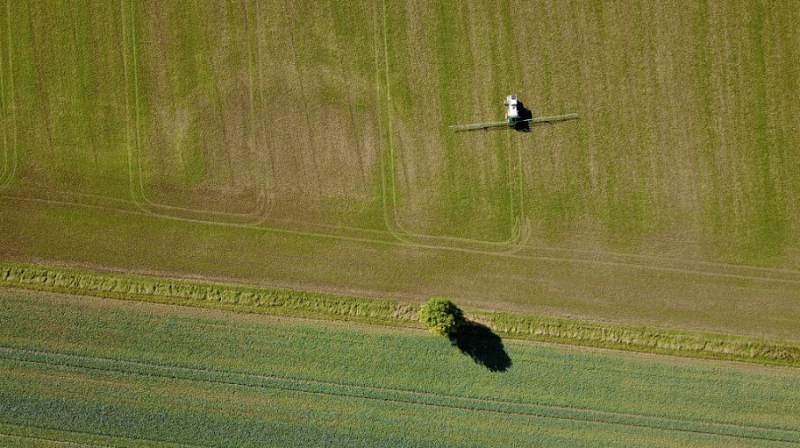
419	397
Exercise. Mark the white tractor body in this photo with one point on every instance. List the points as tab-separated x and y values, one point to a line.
512	114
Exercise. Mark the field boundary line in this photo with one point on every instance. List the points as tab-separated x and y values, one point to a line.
654	262
260	228
293	303
88	198
290	384
390	217
405	243
666	258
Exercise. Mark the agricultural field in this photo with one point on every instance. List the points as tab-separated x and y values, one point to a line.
294	164
265	142
99	372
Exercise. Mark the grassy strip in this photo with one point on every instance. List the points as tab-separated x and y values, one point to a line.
386	312
207	295
641	339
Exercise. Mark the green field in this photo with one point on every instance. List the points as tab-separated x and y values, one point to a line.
269	143
268	157
110	373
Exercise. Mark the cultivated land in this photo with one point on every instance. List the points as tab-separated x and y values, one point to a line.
266	142
84	370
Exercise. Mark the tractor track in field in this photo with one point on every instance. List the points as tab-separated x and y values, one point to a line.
6	151
521	256
138	194
388	172
56	441
125	442
9	155
396	395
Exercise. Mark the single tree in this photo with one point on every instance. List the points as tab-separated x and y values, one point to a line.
441	316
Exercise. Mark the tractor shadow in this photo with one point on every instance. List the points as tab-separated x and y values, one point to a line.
482	345
524	114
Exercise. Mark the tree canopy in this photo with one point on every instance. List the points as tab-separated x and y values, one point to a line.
441	316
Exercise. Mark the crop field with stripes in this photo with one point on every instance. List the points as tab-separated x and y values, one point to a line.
82	371
274	143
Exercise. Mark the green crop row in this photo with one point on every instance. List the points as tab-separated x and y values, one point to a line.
387	312
22	357
107	373
189	413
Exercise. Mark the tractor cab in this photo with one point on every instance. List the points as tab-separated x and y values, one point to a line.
512	114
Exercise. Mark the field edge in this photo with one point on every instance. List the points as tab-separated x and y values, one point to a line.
377	311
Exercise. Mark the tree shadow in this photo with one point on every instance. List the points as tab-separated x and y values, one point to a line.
481	344
524	114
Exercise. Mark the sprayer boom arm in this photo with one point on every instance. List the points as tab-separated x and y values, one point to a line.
476	126
552	119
